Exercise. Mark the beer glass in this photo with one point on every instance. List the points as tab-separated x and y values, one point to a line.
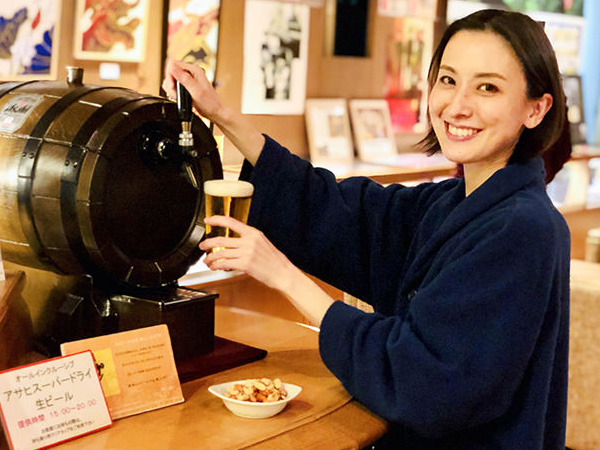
226	198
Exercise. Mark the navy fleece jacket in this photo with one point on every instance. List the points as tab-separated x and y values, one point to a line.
468	345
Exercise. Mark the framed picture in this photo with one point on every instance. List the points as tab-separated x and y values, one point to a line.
275	57
111	30
409	50
193	33
372	129
572	88
30	30
328	129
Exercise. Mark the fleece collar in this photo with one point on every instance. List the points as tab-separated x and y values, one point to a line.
454	211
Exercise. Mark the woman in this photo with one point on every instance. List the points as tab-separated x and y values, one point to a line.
469	278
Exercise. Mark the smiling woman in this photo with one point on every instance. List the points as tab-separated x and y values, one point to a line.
479	105
468	278
522	41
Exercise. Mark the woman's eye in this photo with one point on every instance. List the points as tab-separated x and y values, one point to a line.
488	87
445	79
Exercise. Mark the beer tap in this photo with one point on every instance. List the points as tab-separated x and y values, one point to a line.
186	138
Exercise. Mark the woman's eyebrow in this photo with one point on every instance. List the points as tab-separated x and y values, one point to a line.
477	75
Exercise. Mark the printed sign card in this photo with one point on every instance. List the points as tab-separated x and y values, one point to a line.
137	369
52	401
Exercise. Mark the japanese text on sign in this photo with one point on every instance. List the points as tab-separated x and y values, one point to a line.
52	401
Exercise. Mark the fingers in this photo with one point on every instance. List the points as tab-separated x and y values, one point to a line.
228	254
240	228
229	222
251	253
183	72
219	243
232	252
221	259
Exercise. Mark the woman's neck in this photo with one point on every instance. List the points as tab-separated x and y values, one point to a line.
478	173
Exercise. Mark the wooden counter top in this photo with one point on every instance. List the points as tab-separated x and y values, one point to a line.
323	416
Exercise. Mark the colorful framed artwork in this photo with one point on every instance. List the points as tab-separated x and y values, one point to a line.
372	129
29	30
328	130
111	30
275	57
409	52
193	33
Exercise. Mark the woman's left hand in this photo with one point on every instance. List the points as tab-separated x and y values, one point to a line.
255	255
251	253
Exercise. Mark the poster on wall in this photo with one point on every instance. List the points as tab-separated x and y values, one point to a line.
409	52
275	57
111	30
28	30
193	33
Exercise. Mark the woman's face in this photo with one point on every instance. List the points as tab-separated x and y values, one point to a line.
478	104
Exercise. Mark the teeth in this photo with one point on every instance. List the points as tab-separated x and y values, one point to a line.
462	132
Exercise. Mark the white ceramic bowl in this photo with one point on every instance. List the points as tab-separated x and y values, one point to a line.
252	410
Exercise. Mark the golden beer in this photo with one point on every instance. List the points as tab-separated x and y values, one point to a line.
227	198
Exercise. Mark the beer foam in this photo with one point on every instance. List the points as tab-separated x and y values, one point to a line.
224	188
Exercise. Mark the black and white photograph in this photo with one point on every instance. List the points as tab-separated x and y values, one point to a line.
275	57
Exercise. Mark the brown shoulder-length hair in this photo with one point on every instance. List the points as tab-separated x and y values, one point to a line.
536	55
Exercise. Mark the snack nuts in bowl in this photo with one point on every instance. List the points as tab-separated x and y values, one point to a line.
257	398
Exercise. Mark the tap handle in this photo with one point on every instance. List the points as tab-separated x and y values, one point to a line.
184	103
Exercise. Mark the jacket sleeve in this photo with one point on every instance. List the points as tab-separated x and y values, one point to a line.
459	355
337	231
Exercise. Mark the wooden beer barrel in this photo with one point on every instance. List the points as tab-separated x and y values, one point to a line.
83	189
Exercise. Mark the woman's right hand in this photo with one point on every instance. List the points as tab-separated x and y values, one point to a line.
207	103
205	99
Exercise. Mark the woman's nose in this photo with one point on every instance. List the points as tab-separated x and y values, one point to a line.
460	104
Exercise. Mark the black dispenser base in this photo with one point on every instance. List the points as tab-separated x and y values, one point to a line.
81	310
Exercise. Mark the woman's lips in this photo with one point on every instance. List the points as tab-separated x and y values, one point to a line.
460	133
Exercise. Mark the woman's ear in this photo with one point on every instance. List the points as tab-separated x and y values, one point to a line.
539	108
